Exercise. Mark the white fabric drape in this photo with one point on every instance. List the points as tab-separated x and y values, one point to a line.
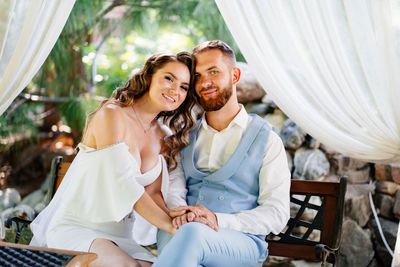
330	65
28	32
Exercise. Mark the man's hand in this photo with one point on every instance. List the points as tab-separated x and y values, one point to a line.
197	213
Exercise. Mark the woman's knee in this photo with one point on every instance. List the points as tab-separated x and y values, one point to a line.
109	254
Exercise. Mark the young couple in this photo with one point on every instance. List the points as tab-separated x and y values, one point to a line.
214	188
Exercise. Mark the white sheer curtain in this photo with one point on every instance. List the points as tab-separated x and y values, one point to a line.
28	32
330	65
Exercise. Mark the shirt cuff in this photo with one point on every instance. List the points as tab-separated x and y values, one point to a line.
226	220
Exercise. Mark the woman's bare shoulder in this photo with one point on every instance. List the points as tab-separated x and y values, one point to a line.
107	125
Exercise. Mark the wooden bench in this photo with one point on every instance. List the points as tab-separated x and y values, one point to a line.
327	220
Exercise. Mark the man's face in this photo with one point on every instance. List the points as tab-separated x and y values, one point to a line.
213	79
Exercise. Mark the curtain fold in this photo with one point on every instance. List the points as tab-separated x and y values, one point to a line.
331	66
28	32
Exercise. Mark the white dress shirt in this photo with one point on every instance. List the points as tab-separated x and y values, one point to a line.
213	149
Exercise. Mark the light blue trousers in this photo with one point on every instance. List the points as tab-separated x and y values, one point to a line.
196	244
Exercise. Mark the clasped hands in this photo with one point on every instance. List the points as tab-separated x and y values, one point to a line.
197	213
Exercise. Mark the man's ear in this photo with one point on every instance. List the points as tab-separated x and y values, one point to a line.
236	75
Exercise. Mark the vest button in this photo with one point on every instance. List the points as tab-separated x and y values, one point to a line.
201	198
221	198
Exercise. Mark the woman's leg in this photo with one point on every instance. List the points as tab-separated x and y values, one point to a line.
109	254
145	263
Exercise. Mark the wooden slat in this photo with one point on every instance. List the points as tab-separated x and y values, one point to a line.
63	168
61	171
292	251
314	187
329	222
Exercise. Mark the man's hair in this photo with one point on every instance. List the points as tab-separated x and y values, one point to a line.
215	44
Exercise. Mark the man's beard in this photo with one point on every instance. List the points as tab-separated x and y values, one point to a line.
217	102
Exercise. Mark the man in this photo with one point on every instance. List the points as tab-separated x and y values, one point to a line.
236	173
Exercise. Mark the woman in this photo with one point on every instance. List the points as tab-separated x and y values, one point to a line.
119	176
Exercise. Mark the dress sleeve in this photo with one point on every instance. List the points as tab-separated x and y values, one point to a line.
105	187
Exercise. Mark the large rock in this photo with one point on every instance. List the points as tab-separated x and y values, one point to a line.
356	249
33	198
276	119
310	164
357	176
257	108
387	187
382	172
39	207
267	100
343	163
384	203
291	134
357	171
328	150
374	263
248	88
396	206
9	197
357	206
274	261
395	171
389	229
313	143
261	108
388	172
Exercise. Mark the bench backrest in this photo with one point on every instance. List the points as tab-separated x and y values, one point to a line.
58	171
327	220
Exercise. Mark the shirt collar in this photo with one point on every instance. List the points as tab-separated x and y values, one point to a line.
240	119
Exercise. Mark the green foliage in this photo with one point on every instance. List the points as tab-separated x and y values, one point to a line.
19	122
98	49
75	111
25	237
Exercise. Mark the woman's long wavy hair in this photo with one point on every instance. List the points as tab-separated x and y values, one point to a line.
180	121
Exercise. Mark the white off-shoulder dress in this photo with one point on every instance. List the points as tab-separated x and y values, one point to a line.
96	199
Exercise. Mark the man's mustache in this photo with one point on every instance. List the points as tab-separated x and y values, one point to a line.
208	88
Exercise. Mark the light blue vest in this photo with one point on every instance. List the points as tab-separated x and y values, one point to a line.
234	187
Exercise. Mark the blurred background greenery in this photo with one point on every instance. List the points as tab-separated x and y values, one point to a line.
102	43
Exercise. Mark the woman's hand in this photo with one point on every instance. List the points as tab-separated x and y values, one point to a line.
197	213
172	229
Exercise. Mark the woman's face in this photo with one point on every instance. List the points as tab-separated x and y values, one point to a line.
169	85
